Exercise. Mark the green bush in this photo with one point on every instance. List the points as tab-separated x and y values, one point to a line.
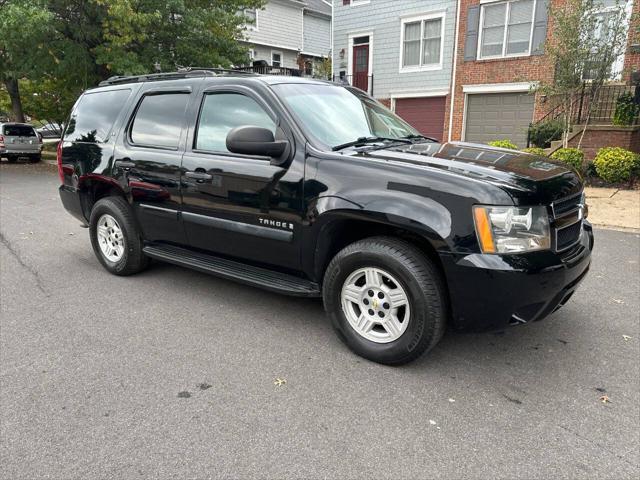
626	110
615	164
535	151
570	156
542	134
504	144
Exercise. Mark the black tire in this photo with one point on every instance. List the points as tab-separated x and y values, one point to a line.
12	158
419	278
132	260
35	158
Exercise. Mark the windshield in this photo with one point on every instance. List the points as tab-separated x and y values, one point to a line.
336	115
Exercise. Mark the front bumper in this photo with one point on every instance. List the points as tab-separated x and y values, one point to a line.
492	292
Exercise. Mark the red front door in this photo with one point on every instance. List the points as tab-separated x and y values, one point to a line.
361	67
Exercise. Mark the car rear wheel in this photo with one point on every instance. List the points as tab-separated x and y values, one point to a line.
115	237
386	300
12	158
35	158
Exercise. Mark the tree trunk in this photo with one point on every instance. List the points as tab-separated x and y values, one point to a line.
14	95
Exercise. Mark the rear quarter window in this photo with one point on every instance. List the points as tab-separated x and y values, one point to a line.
18	131
94	116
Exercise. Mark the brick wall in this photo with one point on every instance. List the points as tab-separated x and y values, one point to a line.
504	70
632	57
597	137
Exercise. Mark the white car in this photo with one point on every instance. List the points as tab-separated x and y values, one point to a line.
20	140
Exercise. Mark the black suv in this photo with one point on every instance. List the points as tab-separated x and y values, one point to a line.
308	188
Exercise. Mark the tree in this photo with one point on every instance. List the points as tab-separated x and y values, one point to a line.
25	27
128	37
584	47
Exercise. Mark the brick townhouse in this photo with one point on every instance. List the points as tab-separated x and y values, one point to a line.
478	86
500	57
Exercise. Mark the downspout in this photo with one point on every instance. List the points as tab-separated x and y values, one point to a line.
453	74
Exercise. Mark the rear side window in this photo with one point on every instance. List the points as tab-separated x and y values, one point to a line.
159	119
222	112
18	131
94	116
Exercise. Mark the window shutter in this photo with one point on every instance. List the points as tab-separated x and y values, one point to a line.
471	39
540	27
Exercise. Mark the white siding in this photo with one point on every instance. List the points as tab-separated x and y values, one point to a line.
289	57
279	24
383	18
317	35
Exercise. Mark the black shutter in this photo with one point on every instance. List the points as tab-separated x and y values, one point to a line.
540	27
471	39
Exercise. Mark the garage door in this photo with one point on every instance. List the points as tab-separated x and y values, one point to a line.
425	114
498	116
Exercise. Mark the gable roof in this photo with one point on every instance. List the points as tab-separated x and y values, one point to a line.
319	6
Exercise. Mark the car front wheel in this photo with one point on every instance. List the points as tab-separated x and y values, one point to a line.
386	300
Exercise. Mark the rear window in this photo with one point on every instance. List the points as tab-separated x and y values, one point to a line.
94	116
18	131
159	119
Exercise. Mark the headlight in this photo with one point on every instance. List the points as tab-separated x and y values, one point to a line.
512	229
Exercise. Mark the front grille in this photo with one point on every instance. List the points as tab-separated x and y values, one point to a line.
567	224
560	207
565	237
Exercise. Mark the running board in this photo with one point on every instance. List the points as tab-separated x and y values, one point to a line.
239	272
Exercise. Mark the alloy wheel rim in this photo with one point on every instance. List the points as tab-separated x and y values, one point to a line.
110	238
376	305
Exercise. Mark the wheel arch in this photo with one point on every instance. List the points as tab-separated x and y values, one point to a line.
95	187
340	227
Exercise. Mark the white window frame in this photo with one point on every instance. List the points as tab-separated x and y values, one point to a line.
421	18
355	3
252	27
617	66
506	30
277	52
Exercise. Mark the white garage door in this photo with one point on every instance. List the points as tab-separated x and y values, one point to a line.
498	116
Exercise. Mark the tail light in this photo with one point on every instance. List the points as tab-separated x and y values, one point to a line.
59	159
2	141
39	137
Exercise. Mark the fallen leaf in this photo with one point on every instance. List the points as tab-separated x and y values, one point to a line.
605	399
184	394
279	382
71	233
626	338
617	300
451	400
432	422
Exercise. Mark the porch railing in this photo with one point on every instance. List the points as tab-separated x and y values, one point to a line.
270	70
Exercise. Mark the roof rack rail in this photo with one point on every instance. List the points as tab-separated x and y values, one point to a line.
186	72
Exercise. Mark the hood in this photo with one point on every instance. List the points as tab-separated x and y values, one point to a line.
528	178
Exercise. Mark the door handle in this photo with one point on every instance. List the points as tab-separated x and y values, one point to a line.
199	176
124	164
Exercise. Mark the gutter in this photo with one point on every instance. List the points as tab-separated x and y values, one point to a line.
453	74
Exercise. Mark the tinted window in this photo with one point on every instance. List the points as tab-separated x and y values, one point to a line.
223	111
159	120
18	131
93	117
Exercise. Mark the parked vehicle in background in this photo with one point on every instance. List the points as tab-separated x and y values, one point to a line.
50	130
20	140
307	188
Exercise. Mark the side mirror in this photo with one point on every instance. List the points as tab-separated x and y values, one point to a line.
249	140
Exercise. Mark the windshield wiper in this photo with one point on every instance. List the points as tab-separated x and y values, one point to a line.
366	140
416	137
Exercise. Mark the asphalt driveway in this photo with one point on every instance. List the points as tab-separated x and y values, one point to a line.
170	374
